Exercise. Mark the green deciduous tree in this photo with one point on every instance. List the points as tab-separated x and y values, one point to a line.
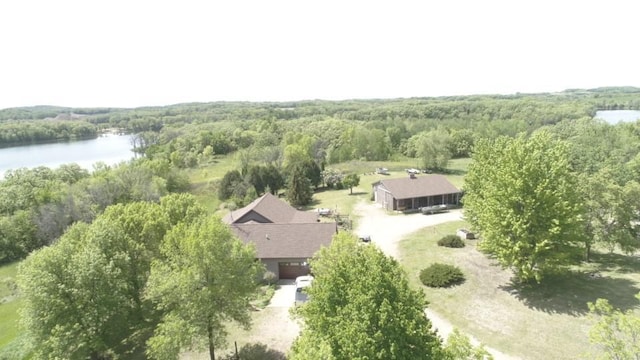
611	212
360	142
204	279
461	143
523	198
350	181
459	347
433	149
17	236
83	296
72	292
616	332
361	307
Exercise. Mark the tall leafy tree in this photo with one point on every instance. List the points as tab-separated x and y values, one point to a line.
229	182
299	190
203	280
521	195
272	178
611	216
432	148
361	307
350	181
461	143
83	296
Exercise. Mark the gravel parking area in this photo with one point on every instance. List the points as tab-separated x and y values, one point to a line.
386	230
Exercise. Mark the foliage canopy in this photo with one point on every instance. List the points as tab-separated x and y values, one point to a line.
361	307
521	195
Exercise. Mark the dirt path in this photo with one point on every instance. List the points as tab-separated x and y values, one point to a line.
387	231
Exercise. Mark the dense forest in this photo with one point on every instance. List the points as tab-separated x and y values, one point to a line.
483	114
293	146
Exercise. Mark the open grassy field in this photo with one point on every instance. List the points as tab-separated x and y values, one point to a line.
204	181
455	172
547	321
9	304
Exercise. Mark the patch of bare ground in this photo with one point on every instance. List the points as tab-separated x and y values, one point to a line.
272	326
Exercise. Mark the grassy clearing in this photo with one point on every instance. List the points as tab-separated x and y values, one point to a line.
455	172
9	304
204	180
344	202
548	321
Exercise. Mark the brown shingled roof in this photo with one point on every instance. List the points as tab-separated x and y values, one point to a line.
286	240
272	209
420	186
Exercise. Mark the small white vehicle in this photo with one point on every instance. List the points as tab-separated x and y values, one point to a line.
301	283
324	211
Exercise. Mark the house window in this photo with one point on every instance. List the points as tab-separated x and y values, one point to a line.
292	264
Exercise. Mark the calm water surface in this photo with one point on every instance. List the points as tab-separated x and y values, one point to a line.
110	149
615	116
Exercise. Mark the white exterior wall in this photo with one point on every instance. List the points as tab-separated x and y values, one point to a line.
382	196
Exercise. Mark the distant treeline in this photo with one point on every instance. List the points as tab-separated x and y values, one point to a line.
32	132
497	113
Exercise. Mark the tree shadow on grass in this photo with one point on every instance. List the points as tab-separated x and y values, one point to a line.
256	351
451	172
622	264
569	293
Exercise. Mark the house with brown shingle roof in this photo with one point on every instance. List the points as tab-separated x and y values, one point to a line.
269	209
414	192
285	238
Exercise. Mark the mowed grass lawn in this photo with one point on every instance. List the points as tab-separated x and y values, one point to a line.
548	321
9	304
204	181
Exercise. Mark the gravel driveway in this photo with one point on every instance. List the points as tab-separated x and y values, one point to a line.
284	295
387	230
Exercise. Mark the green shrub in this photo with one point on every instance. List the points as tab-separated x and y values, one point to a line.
452	241
263	297
441	275
269	277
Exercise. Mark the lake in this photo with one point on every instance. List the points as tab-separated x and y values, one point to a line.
109	148
615	116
